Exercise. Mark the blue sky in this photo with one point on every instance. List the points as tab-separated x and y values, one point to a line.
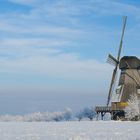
53	52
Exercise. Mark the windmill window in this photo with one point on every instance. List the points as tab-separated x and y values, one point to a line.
138	91
118	90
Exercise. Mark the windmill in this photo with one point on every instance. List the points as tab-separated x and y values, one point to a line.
128	84
115	62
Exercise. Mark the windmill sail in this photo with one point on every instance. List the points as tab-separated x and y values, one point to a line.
111	60
116	62
121	42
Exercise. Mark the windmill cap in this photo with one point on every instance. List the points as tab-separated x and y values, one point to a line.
129	62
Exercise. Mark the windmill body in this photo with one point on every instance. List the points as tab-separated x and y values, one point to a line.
129	84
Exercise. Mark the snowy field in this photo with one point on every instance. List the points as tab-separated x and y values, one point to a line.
85	130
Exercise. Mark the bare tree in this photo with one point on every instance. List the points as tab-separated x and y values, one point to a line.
86	113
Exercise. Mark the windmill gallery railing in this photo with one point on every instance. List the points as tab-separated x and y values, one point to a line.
102	110
108	109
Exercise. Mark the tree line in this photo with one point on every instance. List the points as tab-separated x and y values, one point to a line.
66	115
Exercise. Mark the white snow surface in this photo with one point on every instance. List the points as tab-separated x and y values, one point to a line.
84	130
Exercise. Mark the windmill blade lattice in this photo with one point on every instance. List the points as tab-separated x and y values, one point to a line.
116	62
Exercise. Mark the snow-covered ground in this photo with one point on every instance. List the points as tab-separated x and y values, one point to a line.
85	130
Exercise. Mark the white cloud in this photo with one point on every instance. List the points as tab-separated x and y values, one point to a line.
50	19
117	8
67	66
31	28
65	9
25	2
31	42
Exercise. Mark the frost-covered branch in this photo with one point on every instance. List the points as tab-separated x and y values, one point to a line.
40	116
133	108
